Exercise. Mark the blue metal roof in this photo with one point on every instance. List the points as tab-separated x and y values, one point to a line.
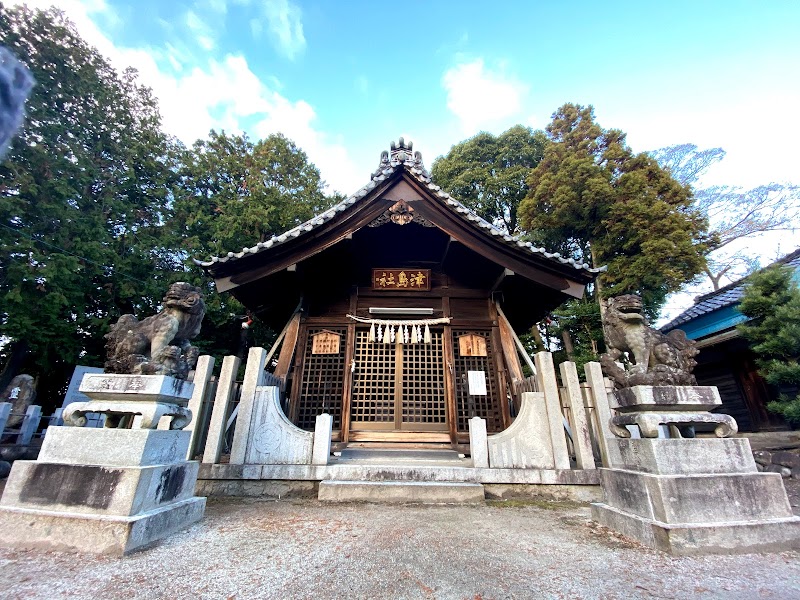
717	310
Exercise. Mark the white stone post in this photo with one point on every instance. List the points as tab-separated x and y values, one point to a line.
546	377
602	412
202	375
253	377
216	428
323	429
29	424
478	443
581	440
5	411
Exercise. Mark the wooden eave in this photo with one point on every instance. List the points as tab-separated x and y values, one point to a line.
537	268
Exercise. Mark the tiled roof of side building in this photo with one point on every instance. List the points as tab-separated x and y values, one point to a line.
399	158
725	296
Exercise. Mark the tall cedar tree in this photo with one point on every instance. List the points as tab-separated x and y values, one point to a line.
596	201
771	302
234	193
82	192
489	173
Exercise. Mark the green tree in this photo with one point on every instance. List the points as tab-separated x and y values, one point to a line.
598	202
489	173
234	193
592	199
771	302
83	189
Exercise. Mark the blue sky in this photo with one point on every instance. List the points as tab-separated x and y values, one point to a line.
343	79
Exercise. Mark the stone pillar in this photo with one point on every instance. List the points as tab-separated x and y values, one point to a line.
109	490
5	411
253	376
30	423
216	427
690	496
581	440
548	384
602	412
478	443
202	375
323	428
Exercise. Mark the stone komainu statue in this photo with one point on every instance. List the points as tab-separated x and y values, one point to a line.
648	356
159	345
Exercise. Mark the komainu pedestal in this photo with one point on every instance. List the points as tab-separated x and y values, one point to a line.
109	490
691	496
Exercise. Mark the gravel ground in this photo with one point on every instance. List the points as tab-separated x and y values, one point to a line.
304	549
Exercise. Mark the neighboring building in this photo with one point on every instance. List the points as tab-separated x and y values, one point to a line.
403	259
725	358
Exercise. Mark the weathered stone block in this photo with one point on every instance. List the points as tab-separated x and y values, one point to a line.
784	472
478	443
683	456
114	535
763	457
665	398
703	538
98	490
690	499
114	447
136	388
787	459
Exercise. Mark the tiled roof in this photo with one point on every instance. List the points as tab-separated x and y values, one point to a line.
725	296
400	157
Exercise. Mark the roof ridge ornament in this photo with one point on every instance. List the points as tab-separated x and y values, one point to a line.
401	153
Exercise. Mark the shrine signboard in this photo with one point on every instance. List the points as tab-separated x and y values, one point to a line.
401	279
325	342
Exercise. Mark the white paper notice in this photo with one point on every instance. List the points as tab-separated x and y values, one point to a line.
477	383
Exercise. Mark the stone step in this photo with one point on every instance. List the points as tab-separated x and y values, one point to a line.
400	457
416	492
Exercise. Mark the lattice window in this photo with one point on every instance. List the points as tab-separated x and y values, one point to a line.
373	394
423	393
487	407
322	385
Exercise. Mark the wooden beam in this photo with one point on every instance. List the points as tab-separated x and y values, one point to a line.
503	275
287	350
509	348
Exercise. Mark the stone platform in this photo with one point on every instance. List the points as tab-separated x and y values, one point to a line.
411	492
695	496
108	491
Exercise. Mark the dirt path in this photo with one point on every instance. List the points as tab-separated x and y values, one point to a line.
251	549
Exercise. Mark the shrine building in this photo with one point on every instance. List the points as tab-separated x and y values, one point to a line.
398	309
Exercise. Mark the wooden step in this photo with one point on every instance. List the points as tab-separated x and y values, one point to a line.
412	492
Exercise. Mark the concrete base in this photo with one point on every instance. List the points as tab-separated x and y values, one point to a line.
683	539
695	496
418	492
97	534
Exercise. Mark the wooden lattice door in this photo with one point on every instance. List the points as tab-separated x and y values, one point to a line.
398	387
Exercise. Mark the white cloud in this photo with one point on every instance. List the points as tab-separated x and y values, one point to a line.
220	93
200	31
480	97
285	26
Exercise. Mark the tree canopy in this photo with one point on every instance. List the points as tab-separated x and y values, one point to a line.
489	173
84	190
101	210
595	200
771	302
